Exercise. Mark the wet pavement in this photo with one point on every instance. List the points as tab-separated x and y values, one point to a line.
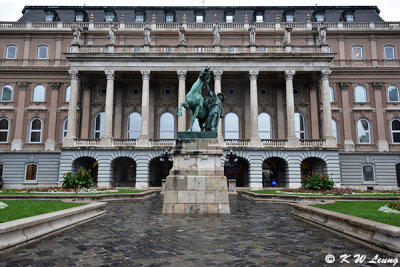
137	234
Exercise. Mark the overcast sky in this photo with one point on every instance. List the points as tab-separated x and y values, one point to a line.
11	10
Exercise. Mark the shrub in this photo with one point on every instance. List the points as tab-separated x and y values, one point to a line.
317	181
394	205
79	180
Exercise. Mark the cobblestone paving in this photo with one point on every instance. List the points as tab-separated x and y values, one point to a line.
137	234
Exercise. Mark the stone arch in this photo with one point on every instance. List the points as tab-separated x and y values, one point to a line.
89	163
274	171
84	153
313	164
123	171
275	154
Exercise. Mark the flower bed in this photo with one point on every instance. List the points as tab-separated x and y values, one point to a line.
61	190
392	207
339	191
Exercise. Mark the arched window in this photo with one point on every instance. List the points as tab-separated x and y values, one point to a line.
334	130
42	52
99	122
67	93
300	125
264	126
11	52
393	93
360	94
35	131
332	94
231	121
39	93
64	129
134	126
395	125
389	52
167	126
6	93
364	131
4	126
357	52
368	172
31	172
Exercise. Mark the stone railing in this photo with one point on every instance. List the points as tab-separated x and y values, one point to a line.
237	142
86	142
274	142
192	26
162	142
124	142
320	143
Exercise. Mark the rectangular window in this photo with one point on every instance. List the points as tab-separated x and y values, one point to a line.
199	18
169	18
320	18
11	52
229	18
79	18
49	18
389	52
139	18
42	52
357	52
259	18
349	18
30	172
289	18
368	172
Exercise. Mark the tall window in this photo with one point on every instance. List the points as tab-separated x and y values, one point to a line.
264	126
6	93
67	93
42	52
357	52
31	172
368	172
332	94
389	52
134	126
395	125
39	93
169	17
64	129
139	17
99	122
360	94
231	126
334	130
11	52
393	93
35	132
4	125
110	16
364	131
300	125
167	126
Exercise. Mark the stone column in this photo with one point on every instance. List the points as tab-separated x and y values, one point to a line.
326	103
380	121
280	113
107	138
314	111
73	101
217	90
86	113
254	137
348	139
181	98
118	115
293	141
16	144
50	144
144	138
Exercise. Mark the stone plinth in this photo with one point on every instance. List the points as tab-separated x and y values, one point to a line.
196	183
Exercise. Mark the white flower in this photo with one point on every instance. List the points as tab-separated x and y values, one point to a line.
3	205
386	209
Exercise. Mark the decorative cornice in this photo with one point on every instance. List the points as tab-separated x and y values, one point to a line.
253	74
73	74
22	85
218	74
325	74
55	85
344	85
145	74
377	85
289	74
181	74
110	74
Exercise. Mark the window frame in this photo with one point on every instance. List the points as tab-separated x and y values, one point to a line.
44	94
67	95
355	93
347	16
291	16
298	133
79	13
7	131
38	52
259	16
197	16
159	126
362	173
64	130
238	126
100	131
48	15
107	14
35	131
394	131
335	133
398	94
7	49
2	91
137	17
168	17
270	132
332	94
393	49
318	17
369	132
132	131
36	174
229	15
353	52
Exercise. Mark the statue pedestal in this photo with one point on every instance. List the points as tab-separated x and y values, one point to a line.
196	183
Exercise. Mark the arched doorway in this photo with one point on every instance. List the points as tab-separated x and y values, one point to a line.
89	164
158	172
398	174
274	172
124	172
312	164
241	172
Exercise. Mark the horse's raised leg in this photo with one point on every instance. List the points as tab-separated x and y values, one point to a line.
180	109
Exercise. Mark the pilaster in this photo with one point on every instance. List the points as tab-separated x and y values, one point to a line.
326	103
181	98
144	138
254	138
293	141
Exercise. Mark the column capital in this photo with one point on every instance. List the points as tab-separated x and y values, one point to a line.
55	85
110	74
181	74
73	73
145	74
325	74
377	85
344	85
253	74
218	74
289	74
22	85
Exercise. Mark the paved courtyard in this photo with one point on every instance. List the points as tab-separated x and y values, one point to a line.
137	234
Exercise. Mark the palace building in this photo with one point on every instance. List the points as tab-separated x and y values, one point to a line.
307	88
